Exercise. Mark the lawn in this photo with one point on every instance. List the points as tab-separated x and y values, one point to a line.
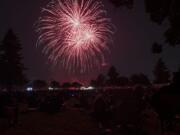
67	122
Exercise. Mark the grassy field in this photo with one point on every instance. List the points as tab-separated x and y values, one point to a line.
68	122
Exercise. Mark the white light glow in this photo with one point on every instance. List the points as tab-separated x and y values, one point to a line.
29	89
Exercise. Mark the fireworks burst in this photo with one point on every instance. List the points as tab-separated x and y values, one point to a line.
75	33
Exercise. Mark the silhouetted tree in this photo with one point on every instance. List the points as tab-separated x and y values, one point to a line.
40	84
134	79
144	80
66	85
140	79
179	69
120	3
112	76
76	84
161	73
11	68
123	81
93	83
159	12
54	84
156	48
2	65
166	102
176	79
100	81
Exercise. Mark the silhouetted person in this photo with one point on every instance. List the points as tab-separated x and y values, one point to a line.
9	108
102	111
167	102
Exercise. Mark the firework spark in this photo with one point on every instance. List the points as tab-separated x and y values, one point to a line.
75	33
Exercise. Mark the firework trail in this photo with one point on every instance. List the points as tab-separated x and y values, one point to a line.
75	34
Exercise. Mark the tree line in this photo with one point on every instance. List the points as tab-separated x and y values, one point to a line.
12	70
161	76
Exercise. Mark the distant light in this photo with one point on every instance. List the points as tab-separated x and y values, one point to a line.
50	88
91	88
87	88
29	89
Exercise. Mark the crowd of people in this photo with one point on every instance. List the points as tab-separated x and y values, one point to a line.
121	110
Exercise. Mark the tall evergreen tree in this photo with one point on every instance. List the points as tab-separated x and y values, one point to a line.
112	76
161	73
11	68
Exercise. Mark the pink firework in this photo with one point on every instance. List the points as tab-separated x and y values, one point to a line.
75	33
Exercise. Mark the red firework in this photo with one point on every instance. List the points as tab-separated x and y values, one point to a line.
75	33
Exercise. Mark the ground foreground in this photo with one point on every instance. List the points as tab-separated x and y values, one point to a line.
68	122
73	119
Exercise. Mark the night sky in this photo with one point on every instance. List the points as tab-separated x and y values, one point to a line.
131	50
